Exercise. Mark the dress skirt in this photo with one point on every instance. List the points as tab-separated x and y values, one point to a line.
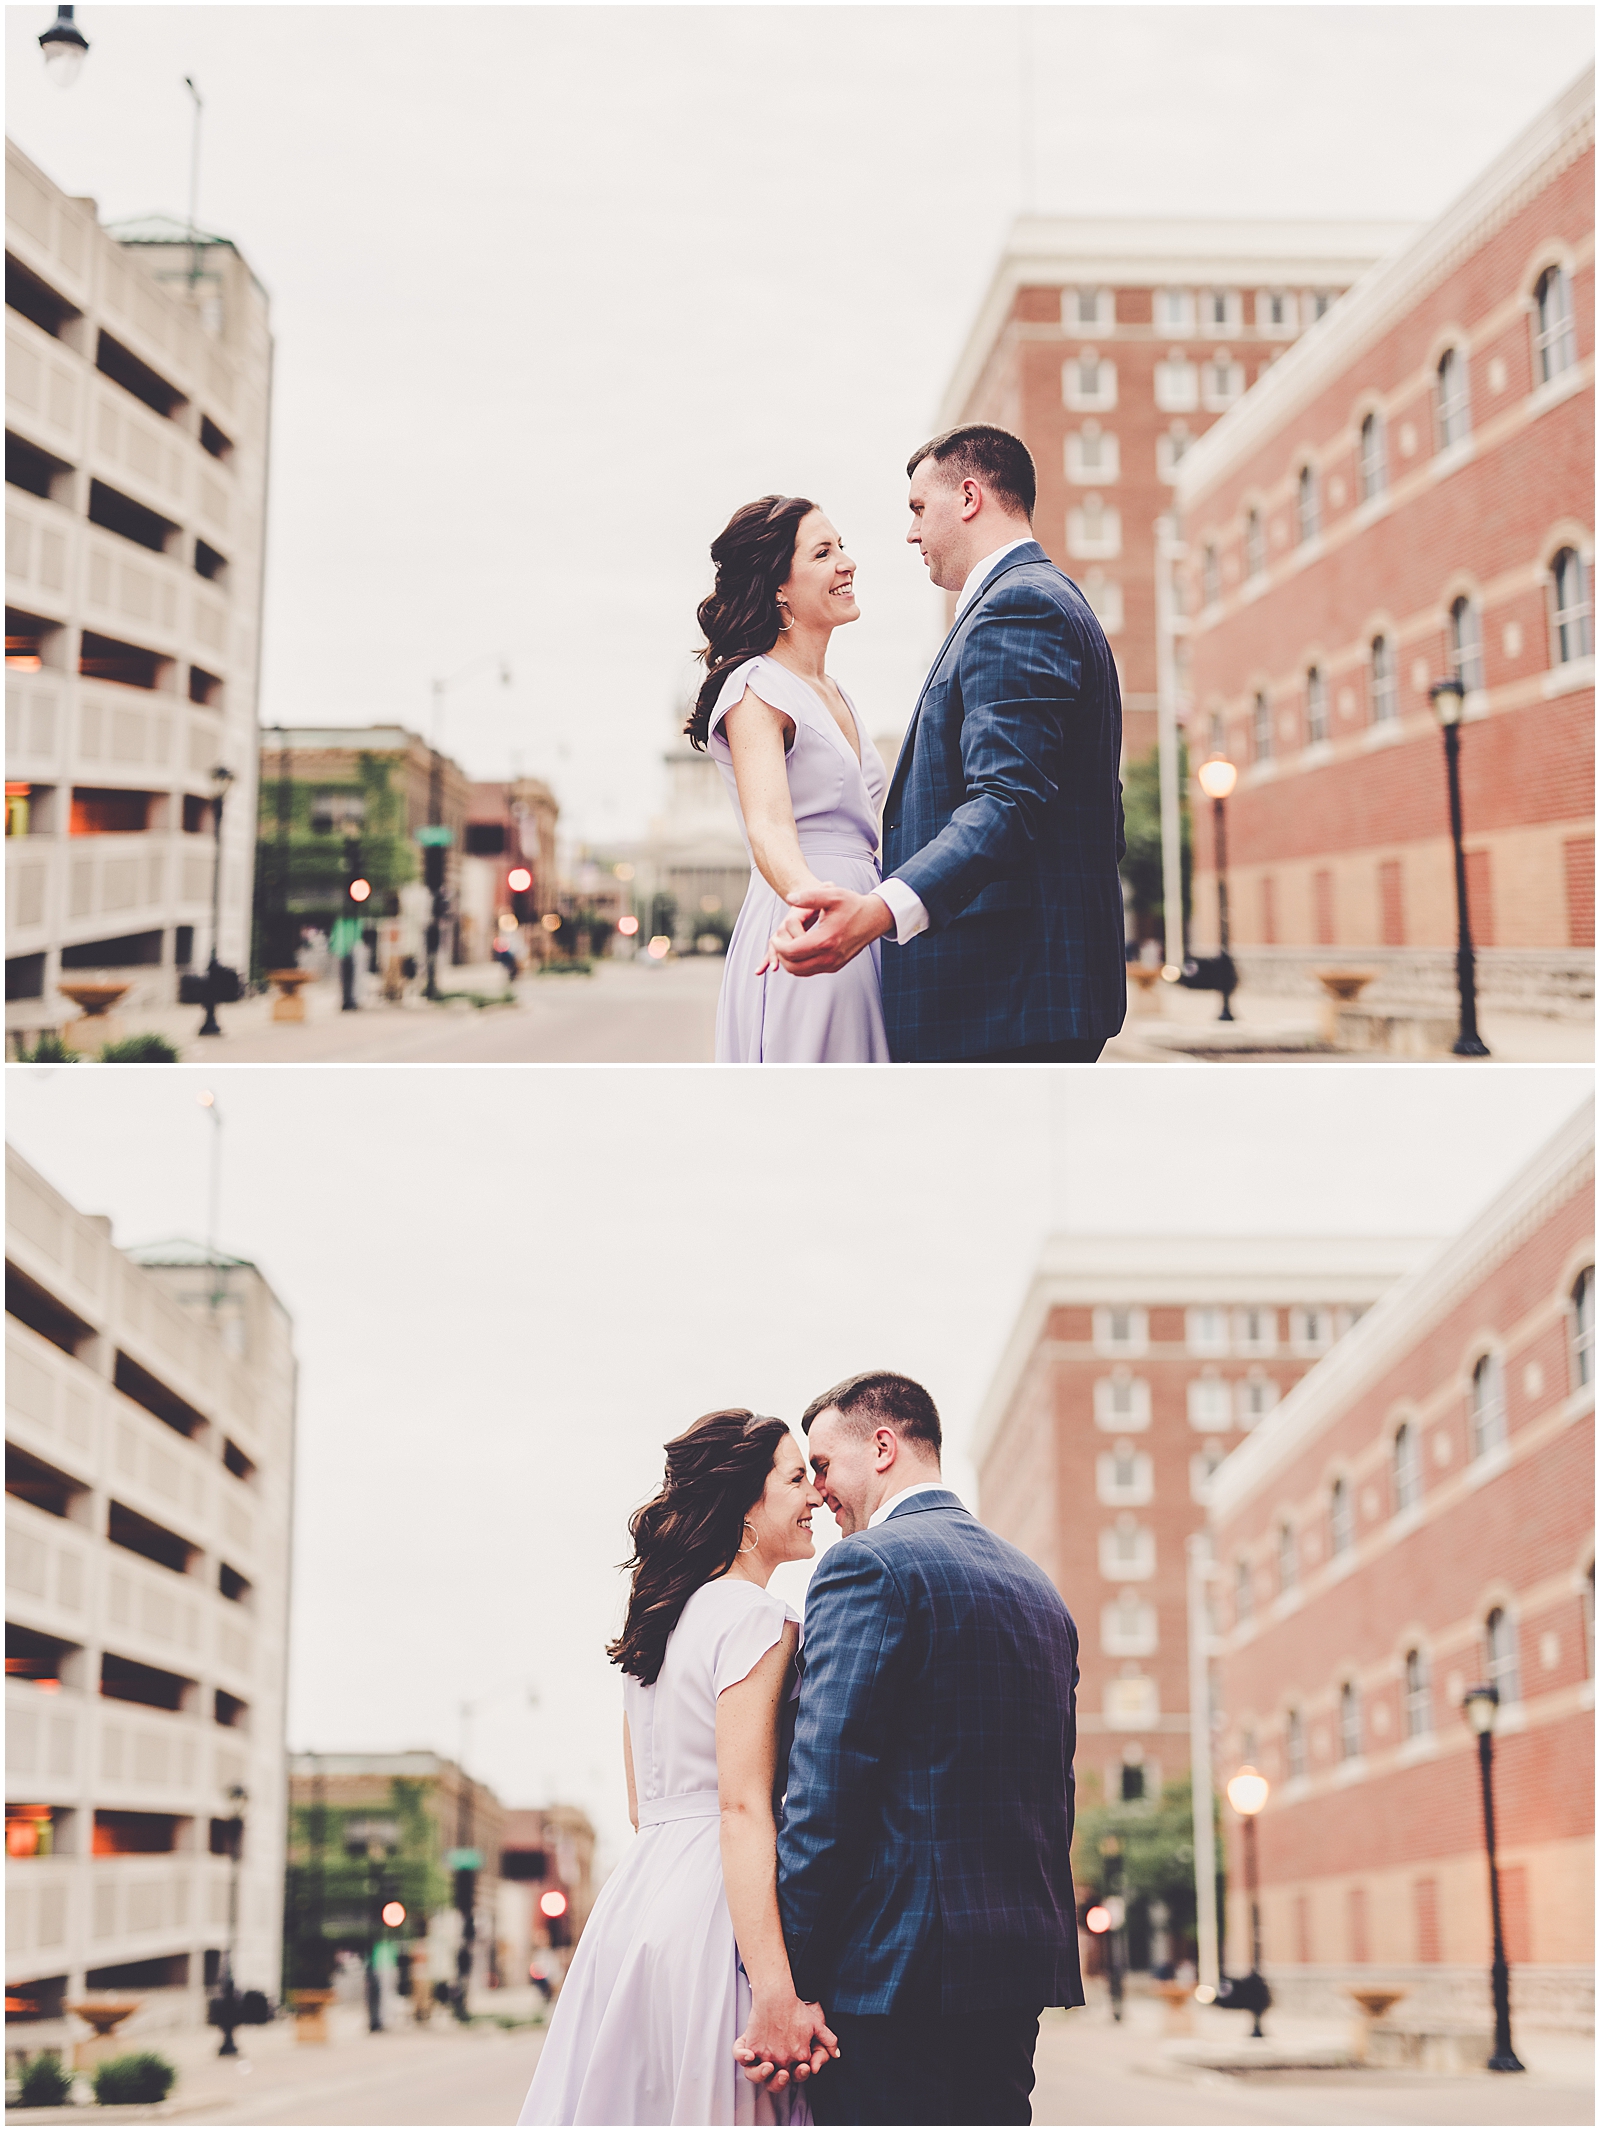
778	1019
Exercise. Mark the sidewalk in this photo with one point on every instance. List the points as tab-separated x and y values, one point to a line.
1175	1026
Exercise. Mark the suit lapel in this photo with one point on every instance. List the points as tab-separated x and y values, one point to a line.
1032	552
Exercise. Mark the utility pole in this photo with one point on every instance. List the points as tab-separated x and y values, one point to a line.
194	187
1205	1841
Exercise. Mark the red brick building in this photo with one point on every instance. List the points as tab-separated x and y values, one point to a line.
1111	347
1417	1516
1134	1366
1409	494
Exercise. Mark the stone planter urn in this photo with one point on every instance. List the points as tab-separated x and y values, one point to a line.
104	2015
1340	987
310	2014
1145	979
1372	2004
289	1005
96	1023
1178	1998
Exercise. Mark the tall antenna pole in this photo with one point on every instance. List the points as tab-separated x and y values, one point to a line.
194	187
208	1102
1025	139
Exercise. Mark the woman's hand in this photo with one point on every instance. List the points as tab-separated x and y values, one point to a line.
801	915
784	2039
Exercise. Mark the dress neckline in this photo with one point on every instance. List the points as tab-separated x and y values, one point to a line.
833	724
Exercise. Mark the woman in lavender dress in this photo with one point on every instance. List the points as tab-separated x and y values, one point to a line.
805	781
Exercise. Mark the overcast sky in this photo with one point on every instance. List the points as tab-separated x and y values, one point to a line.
510	1288
556	289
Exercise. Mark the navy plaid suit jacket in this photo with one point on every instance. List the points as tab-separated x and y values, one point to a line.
1005	815
924	1854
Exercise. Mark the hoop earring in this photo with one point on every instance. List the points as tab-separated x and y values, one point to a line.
785	627
754	1541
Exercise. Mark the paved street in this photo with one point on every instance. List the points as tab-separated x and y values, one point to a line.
1089	2072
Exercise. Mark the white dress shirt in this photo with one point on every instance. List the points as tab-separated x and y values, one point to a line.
922	1487
906	907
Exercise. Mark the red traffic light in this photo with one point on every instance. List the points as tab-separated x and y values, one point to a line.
360	890
394	1914
1098	1919
519	880
553	1902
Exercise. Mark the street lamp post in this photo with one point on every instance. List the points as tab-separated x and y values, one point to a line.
221	778
227	2010
1247	1794
1479	1706
1448	697
434	869
1217	779
65	48
1117	1911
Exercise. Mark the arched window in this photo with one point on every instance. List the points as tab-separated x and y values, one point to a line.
1255	544
1125	1466
1372	464
1466	643
1555	346
1488	1406
1407	1469
1500	1639
1316	707
1288	1558
1583	1328
1307	507
1451	402
1261	728
1588	1621
1243	1591
1340	1530
1385	681
1210	576
1571	615
1419	1705
1295	1743
1349	1722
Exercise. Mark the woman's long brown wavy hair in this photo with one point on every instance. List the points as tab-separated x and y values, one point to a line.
753	554
691	1531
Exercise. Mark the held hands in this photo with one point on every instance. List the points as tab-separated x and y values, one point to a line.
783	2041
830	927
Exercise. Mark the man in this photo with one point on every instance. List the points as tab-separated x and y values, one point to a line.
1002	833
925	1877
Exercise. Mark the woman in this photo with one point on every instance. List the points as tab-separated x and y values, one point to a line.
805	780
684	1949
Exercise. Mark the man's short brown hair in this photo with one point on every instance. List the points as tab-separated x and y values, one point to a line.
978	451
877	1398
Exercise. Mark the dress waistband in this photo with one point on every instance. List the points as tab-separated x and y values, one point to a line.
819	849
685	1805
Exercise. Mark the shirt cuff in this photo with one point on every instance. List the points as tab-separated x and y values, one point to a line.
906	907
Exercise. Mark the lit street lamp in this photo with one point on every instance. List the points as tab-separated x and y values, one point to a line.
1217	779
221	778
1247	1794
1116	1910
1447	698
227	2009
65	48
1478	1707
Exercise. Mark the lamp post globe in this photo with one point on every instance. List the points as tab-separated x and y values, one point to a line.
1248	1791
1480	1706
1217	779
1448	698
65	48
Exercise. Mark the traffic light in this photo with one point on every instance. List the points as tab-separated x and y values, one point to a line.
553	1908
357	888
519	886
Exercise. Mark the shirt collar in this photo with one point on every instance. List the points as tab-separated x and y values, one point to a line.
980	570
922	1487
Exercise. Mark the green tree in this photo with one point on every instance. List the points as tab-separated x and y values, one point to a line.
1141	868
300	879
1157	1838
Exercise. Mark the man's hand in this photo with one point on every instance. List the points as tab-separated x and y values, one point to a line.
843	923
786	2054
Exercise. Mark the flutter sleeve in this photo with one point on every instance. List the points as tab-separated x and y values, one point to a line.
746	1637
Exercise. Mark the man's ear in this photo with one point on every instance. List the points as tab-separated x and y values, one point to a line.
971	500
887	1443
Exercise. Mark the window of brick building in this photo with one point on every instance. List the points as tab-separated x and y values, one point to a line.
1295	1744
1307	505
1172	449
1243	1591
1255	544
1316	707
1207	1331
1257	1395
1466	642
1323	899
1486	1403
1104	595
1089	381
1202	1470
1418	1697
1356	1902
1588	1621
1555	345
1094	528
1275	313
1302	1928
1407	1468
1582	1301
1425	1900
1372	460
1220	311
1093	456
1385	681
1391	902
1093	308
1452	405
1210	1403
1288	1557
1177	384
1221	381
1500	1647
1210	576
1341	1528
1261	727
1310	1329
1175	310
1571	609
1349	1722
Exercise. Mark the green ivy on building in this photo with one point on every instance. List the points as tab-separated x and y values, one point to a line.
301	868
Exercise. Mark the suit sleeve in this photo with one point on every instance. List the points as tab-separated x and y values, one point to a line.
855	1659
1019	678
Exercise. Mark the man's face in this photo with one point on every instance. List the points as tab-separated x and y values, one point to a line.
845	1464
940	509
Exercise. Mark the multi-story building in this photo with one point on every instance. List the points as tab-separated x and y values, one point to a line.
1111	347
1135	1365
150	1402
693	857
509	827
1408	495
545	1851
1415	1518
138	376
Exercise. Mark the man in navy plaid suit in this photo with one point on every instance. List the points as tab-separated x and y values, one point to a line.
924	1857
1001	906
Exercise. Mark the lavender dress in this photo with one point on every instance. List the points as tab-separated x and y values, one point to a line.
778	1019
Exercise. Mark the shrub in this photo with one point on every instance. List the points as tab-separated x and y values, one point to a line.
46	2082
139	1050
49	1050
141	2076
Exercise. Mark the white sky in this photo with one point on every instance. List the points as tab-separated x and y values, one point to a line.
510	1288
556	288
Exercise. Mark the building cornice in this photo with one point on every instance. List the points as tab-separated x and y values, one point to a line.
1556	137
1560	1169
1114	252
